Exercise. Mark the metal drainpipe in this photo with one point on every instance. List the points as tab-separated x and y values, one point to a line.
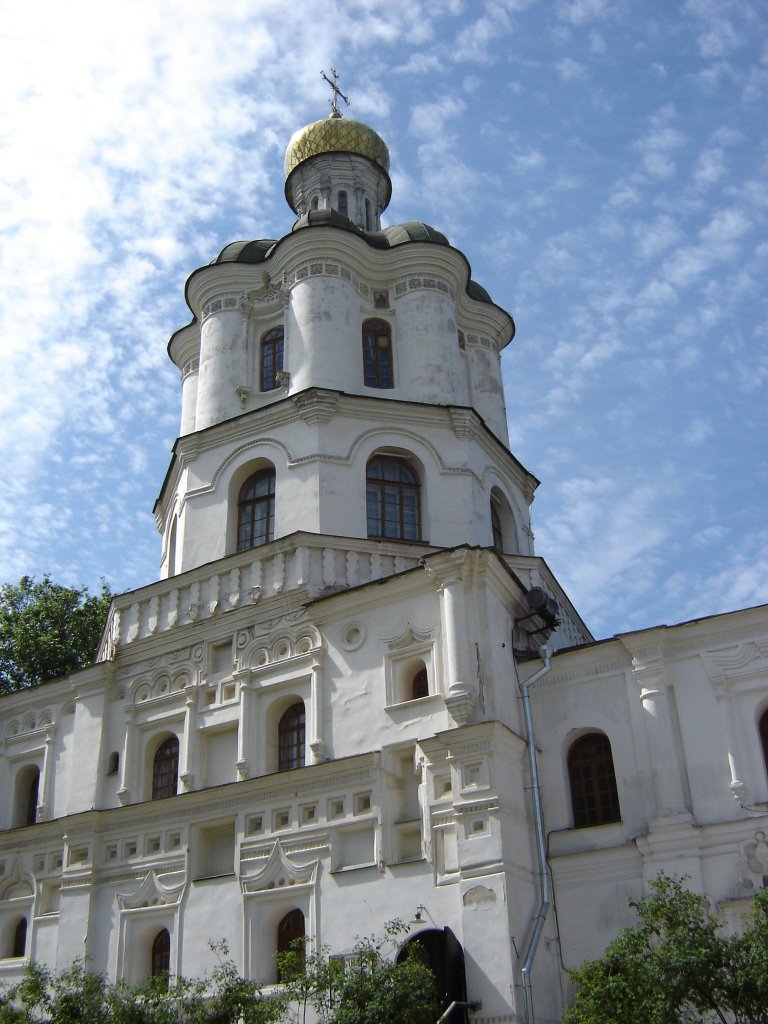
541	846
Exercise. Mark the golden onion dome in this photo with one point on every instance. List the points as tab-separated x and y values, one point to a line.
335	135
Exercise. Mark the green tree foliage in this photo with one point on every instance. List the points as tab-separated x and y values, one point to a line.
373	989
47	630
673	966
369	987
79	996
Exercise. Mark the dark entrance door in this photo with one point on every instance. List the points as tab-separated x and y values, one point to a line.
441	951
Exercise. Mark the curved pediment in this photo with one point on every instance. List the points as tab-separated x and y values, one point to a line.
280	871
154	891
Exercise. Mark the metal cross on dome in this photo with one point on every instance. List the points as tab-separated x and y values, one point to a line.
335	112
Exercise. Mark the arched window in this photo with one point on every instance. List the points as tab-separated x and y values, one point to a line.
392	499
113	763
165	769
368	221
256	510
343	205
594	797
498	536
420	684
290	933
291	737
764	736
315	203
20	938
271	358
377	354
161	954
33	794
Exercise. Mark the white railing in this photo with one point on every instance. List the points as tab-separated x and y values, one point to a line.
316	564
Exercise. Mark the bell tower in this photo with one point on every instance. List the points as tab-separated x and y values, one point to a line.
349	372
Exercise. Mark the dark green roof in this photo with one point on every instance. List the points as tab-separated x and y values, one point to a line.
259	249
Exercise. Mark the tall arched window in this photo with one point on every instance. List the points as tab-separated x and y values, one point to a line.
291	731
271	358
377	354
20	938
290	932
256	510
764	736
161	954
343	204
498	536
33	795
392	499
594	796
165	769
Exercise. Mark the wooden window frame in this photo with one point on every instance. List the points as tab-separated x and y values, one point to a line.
160	963
393	499
378	364
592	779
292	737
255	509
165	769
271	352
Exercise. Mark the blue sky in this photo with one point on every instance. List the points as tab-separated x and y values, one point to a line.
603	165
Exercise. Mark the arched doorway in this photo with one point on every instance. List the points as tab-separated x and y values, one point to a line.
442	952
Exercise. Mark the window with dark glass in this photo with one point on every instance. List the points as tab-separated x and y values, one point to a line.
33	794
764	737
420	685
594	796
290	737
377	354
256	510
165	769
343	205
161	954
498	537
290	933
20	938
392	499
271	358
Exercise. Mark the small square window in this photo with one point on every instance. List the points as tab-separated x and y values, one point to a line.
229	691
473	773
209	698
443	787
39	864
152	844
308	814
173	841
255	824
282	819
362	803
130	847
476	826
336	808
110	852
56	861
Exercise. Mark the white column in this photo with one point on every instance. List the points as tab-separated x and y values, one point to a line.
244	732
127	766
189	748
316	743
724	696
657	697
452	573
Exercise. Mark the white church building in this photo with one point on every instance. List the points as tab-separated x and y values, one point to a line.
313	722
